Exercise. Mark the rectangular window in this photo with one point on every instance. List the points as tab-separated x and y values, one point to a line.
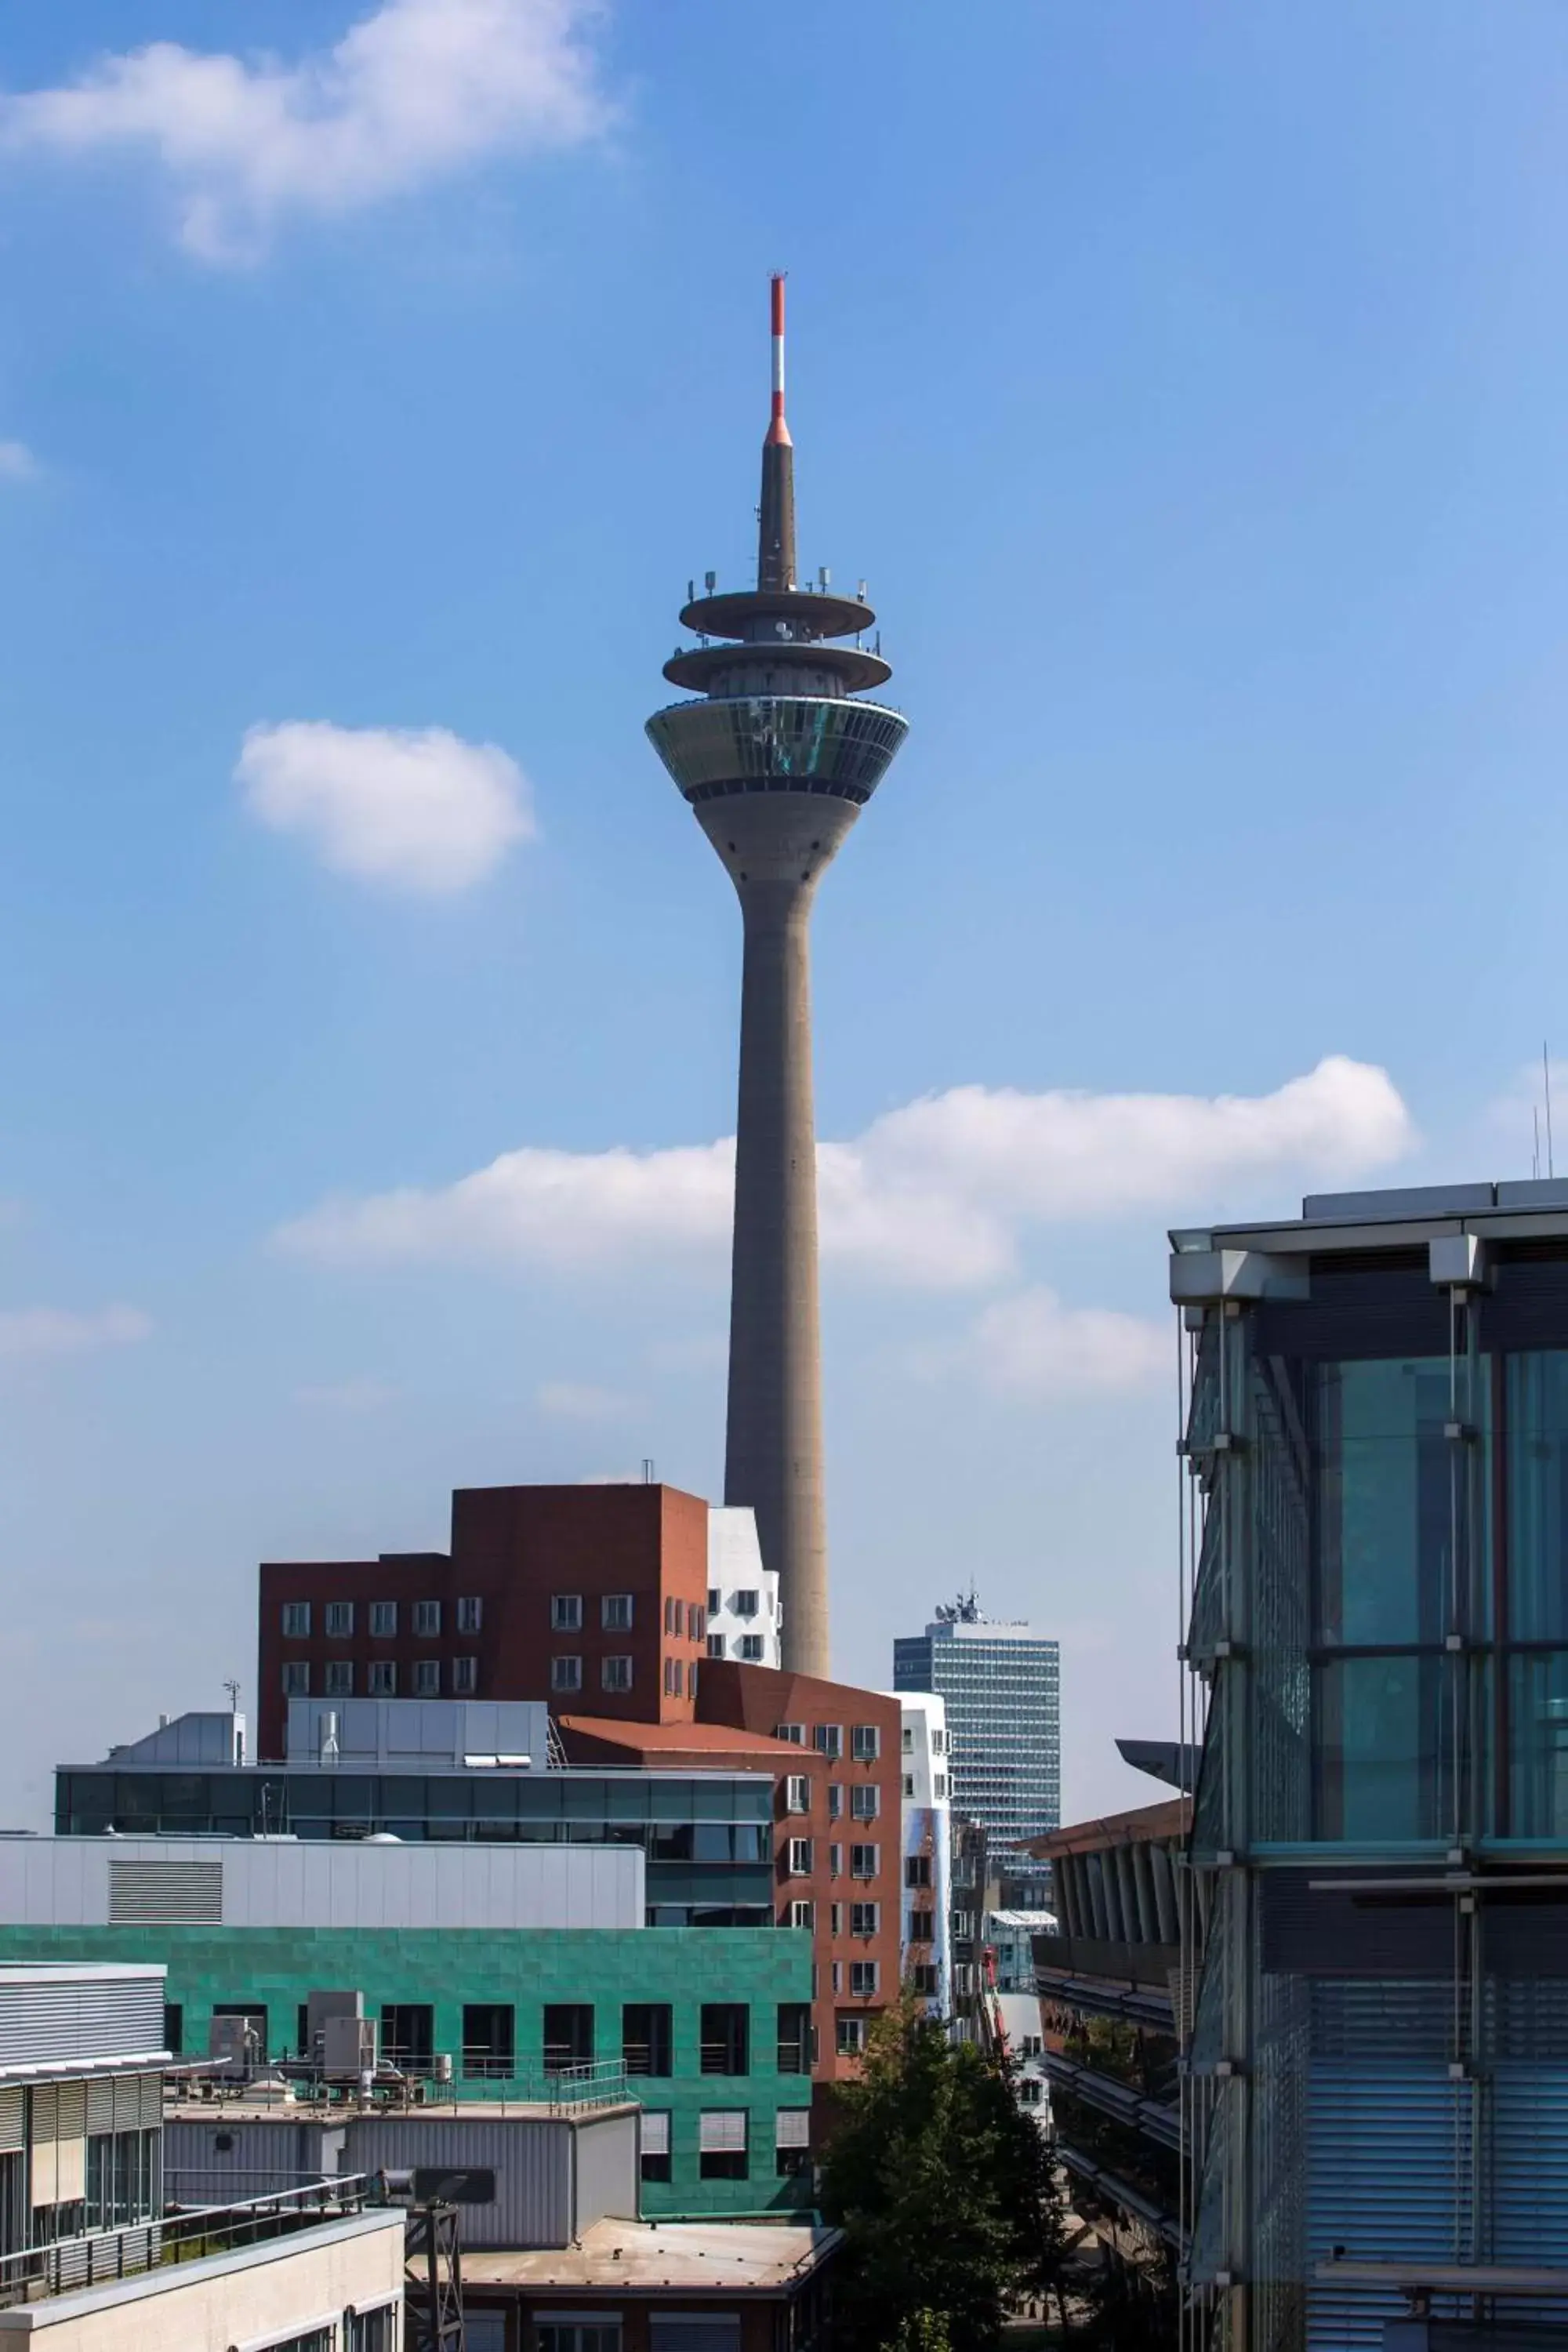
726	2037
851	2036
488	2042
296	1678
384	1621
835	1860
296	1620
616	1613
864	1801
828	1739
752	1649
408	2035
938	1743
566	1674
671	1613
565	1612
866	1742
799	1858
792	2131
672	1677
836	1919
713	1598
426	1619
908	1742
746	1602
837	1977
340	1678
793	1732
865	1918
917	1870
568	2035
835	1800
616	1673
909	1784
797	1793
721	2143
715	1645
471	1613
465	1678
174	2027
865	1861
655	2147
696	1621
922	1927
939	1786
923	1981
599	2332
691	1676
794	2037
340	1620
803	1915
371	2331
647	2037
427	1679
381	1678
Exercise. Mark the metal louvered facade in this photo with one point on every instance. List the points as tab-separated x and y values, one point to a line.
63	2017
165	1891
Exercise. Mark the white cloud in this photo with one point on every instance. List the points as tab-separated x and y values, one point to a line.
936	1196
415	92
580	1401
1031	1344
418	809
18	463
28	1333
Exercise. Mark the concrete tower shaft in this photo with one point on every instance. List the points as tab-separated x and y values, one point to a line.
776	763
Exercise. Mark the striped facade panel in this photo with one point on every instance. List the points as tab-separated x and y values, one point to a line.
165	1891
12	2121
1389	2180
63	2020
531	2156
1527	2164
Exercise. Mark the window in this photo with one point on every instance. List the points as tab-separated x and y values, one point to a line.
797	1793
938	1743
426	1619
715	1645
566	1674
296	1678
690	1678
645	2037
381	1678
863	1975
340	1677
917	1870
565	1612
865	1861
864	1801
803	1915
488	2042
865	1742
835	1860
384	1621
939	1786
751	1648
655	2148
340	1620
798	1861
850	2035
721	2143
835	1800
599	2332
696	1621
726	2037
836	1919
568	2035
837	1977
908	1742
672	1677
471	1613
373	2331
828	1738
408	2034
923	1981
616	1673
909	1784
616	1613
744	1603
793	1732
791	2132
1028	2090
794	2037
427	1679
865	1918
713	1599
174	2027
296	1620
465	1678
671	1613
922	1927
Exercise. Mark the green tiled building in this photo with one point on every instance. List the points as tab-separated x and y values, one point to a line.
722	2009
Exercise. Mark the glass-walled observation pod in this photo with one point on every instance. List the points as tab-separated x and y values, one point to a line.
1389	1494
780	743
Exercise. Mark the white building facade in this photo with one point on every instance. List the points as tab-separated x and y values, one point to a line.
926	1896
743	1618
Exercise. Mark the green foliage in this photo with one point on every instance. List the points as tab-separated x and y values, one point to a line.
944	2190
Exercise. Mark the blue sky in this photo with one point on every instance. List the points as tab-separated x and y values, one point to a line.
1185	381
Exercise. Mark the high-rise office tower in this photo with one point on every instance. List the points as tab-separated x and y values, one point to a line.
776	762
1002	1685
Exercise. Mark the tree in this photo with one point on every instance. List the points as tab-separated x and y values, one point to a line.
944	2189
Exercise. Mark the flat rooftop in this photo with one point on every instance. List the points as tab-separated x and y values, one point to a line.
644	2258
1529	1208
184	2110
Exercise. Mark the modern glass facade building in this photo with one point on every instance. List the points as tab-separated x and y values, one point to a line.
1375	1556
1002	1688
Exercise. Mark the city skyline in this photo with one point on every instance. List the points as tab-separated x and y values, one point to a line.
368	1029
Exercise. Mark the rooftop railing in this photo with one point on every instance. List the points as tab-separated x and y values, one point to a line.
98	2256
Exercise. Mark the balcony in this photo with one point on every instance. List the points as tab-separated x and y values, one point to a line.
34	2273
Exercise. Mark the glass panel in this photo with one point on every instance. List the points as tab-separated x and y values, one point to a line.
1384	1748
1538	1745
1391	1515
1538	1495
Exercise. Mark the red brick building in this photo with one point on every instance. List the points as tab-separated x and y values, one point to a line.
595	1599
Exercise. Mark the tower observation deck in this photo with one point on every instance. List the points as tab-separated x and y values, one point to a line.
776	762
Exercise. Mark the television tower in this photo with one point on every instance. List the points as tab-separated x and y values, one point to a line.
776	762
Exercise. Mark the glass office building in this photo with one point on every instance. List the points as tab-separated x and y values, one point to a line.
1002	1685
1376	1558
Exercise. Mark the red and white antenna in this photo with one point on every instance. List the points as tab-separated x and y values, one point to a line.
778	431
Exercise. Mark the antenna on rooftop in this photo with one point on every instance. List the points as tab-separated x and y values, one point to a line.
233	1690
1546	1071
647	1476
